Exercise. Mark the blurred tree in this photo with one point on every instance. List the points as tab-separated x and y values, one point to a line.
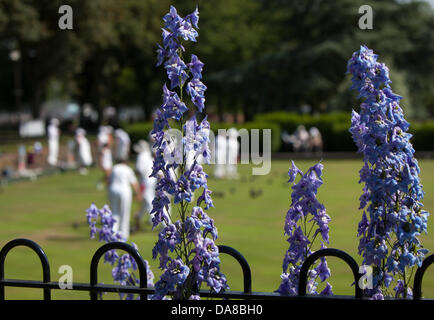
31	27
416	23
231	33
140	32
308	43
312	41
259	55
96	79
121	70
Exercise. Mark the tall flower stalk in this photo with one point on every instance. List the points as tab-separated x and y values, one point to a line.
101	223
187	253
393	215
305	220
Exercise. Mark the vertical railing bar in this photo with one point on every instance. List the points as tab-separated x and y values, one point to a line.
42	257
118	246
329	252
247	277
417	284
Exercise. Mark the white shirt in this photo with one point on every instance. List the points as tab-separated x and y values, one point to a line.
121	178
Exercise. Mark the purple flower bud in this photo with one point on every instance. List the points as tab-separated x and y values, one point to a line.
327	290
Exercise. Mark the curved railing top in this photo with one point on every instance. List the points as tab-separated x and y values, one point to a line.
94	288
247	273
118	246
417	284
310	260
42	257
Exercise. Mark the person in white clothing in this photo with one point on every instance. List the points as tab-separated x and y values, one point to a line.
106	161
121	182
232	155
144	165
104	137
22	156
221	155
71	154
84	153
315	140
303	138
53	142
122	145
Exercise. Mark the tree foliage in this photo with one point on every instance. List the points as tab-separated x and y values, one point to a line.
260	55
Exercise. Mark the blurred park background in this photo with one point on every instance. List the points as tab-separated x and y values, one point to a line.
272	64
260	57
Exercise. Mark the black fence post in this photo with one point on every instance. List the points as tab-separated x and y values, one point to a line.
121	246
247	274
41	254
329	252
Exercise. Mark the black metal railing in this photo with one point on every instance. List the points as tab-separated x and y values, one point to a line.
143	290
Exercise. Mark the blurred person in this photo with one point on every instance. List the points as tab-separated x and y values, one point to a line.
144	164
290	140
122	182
302	137
22	158
232	154
53	142
70	156
315	140
122	145
37	148
84	153
105	159
221	154
25	161
106	164
104	137
299	139
31	158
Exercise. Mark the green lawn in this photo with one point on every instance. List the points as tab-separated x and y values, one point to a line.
46	210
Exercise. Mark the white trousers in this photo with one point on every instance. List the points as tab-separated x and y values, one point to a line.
53	152
120	205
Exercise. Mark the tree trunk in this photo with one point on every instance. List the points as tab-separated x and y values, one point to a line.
219	109
147	108
248	112
36	101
